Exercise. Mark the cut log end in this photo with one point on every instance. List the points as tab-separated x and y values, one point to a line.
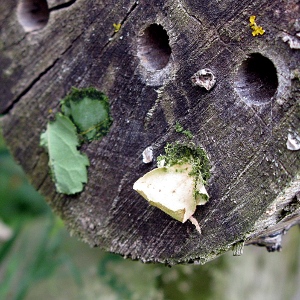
244	114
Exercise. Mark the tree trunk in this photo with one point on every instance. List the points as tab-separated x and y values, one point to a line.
243	122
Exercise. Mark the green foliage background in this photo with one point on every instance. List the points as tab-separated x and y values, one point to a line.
41	260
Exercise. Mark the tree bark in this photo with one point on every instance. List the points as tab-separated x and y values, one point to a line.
243	122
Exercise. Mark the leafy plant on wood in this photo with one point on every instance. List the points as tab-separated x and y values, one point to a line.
86	117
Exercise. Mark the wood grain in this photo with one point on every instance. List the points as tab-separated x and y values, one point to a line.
242	122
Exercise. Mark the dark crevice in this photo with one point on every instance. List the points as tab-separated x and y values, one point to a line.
33	15
126	16
290	208
37	79
190	14
256	80
133	7
39	186
153	49
62	6
16	43
28	88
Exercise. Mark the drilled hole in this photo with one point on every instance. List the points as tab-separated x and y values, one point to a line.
256	80
33	14
153	47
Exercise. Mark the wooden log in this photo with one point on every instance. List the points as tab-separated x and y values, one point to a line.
243	122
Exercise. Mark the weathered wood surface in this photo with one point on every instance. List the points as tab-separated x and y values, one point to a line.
242	123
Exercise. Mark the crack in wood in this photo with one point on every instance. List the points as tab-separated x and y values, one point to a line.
62	6
5	48
37	79
42	181
132	8
28	88
257	147
188	13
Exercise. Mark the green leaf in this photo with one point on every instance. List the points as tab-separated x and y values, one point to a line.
89	110
67	164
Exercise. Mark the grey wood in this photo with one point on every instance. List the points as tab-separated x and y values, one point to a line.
243	122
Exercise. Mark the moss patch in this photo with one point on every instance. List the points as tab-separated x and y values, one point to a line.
179	128
180	153
89	110
187	153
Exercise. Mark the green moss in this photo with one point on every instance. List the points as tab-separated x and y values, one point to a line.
89	110
180	129
180	153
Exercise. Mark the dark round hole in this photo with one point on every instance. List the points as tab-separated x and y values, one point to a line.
33	14
153	47
256	80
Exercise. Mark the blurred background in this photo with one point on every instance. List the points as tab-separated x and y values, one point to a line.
38	259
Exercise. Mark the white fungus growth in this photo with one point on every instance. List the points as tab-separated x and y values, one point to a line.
293	42
293	142
148	155
204	78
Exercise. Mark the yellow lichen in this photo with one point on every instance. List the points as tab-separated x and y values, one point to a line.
256	30
252	20
117	27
